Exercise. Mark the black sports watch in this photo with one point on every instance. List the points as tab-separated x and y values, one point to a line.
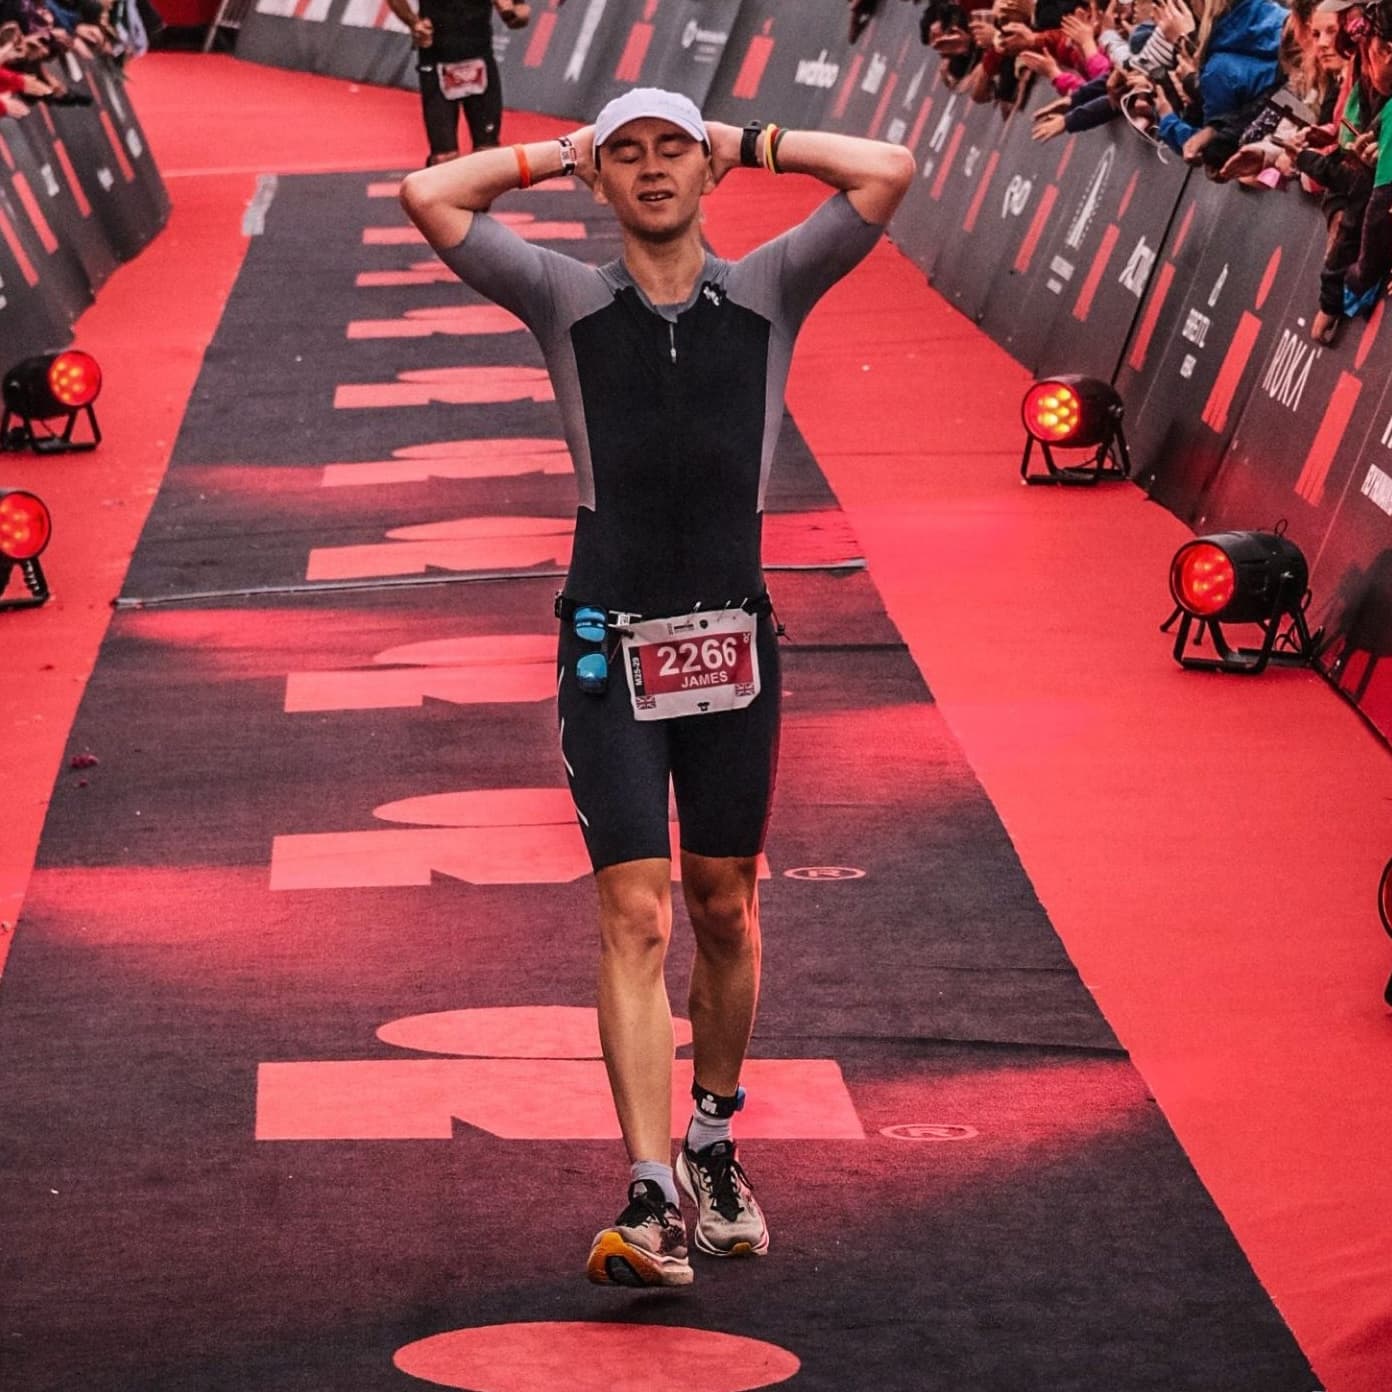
749	144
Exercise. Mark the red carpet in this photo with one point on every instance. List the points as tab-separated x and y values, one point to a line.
1206	848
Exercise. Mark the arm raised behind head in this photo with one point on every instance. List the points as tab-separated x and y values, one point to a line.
874	174
443	199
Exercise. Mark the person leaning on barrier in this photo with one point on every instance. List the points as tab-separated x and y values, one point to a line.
456	68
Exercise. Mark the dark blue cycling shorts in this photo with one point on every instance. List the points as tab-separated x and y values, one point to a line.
721	767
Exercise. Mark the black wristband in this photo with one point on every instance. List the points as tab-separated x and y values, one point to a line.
749	144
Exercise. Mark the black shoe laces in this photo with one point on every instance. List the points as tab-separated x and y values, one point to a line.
725	1175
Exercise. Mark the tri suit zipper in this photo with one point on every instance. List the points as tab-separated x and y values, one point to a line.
672	339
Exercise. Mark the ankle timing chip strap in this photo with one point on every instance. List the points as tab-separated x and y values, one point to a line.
711	1104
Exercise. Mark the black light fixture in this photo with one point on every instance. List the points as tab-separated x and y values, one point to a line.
1242	577
1385	913
25	529
51	387
1071	412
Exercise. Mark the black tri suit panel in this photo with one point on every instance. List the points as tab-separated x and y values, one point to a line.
671	413
674	415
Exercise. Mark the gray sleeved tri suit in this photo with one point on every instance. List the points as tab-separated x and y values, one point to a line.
671	413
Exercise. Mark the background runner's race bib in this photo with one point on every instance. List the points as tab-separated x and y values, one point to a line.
464	79
693	665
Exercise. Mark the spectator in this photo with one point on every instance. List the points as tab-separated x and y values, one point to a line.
1236	55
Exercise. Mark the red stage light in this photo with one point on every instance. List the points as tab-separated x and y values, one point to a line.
50	387
1074	412
25	525
75	379
1242	577
1052	412
1202	579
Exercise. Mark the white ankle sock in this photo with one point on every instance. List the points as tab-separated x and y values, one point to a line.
659	1173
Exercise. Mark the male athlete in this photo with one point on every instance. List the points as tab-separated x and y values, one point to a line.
669	367
456	68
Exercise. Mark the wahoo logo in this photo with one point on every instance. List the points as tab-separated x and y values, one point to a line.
588	26
1087	210
1289	370
817	72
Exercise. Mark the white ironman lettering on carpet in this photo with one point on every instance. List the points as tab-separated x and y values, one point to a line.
1377	488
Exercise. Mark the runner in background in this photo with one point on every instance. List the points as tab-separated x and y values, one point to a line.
457	68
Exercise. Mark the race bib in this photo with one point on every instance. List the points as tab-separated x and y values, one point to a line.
466	79
693	665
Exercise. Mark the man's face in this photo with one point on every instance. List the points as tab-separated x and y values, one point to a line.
653	174
1379	63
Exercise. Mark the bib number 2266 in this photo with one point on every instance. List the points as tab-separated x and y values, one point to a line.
693	665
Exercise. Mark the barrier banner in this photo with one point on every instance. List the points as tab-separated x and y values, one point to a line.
1077	276
782	62
79	192
364	40
62	195
1205	332
676	44
293	34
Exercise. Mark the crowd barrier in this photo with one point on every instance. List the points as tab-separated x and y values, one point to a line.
1094	253
79	194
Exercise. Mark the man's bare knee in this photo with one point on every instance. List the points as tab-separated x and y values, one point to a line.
720	899
635	917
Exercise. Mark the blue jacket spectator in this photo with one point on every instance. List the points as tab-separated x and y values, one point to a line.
1238	64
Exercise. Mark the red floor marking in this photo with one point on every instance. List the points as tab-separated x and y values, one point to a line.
388	859
598	1357
500	668
412	687
450	386
514	648
509	1031
527	1100
434	273
471	459
552	853
451	319
465	544
485	807
526	227
384	188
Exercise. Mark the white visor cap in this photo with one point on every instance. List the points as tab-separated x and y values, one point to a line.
675	107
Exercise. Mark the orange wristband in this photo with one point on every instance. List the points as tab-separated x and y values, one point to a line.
524	170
